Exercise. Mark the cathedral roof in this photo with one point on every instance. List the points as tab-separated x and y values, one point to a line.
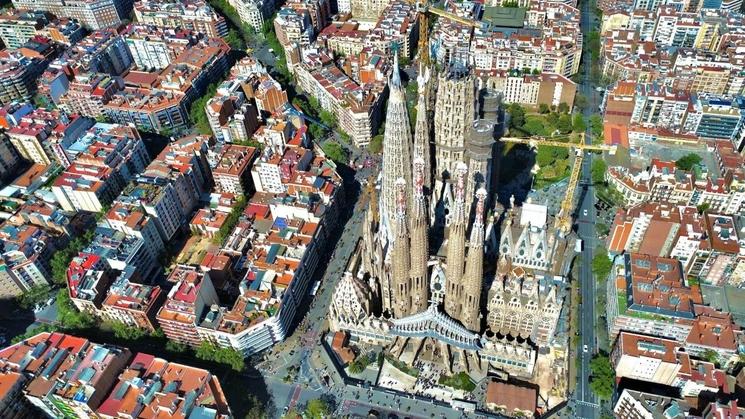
434	324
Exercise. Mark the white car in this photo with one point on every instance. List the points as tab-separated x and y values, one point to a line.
584	349
599	89
584	213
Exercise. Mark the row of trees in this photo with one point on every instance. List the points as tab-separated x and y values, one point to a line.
208	351
198	113
62	257
231	221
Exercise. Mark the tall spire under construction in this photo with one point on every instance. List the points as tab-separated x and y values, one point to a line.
419	241
474	275
456	245
396	150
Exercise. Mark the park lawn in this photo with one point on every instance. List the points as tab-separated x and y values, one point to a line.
459	381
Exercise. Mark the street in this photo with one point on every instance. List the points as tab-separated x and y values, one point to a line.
586	402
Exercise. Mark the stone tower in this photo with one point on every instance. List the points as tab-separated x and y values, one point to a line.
419	241
456	248
396	150
479	152
401	256
454	112
474	275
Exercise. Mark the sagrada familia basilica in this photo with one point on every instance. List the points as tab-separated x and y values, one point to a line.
483	295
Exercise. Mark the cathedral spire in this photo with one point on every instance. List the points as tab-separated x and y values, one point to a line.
396	150
419	242
401	256
421	130
456	245
474	275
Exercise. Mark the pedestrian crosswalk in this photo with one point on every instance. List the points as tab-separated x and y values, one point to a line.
584	403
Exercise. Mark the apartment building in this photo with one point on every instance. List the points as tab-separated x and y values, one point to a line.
64	30
191	296
99	165
232	115
88	92
358	109
232	173
88	278
663	183
17	27
183	391
26	253
397	24
95	14
184	162
192	15
9	159
652	297
273	170
532	90
154	48
132	304
40	134
52	84
103	51
18	77
253	12
66	375
632	404
12	402
160	102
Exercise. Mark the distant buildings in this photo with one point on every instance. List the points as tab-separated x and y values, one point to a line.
192	15
18	77
159	102
17	28
95	14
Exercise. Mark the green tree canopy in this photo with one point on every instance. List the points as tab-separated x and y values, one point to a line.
33	296
517	115
335	152
601	264
564	125
596	125
598	170
317	409
578	123
688	162
602	378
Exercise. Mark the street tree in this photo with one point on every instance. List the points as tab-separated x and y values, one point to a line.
602	378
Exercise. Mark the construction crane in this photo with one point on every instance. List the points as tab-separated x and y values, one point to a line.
425	9
563	220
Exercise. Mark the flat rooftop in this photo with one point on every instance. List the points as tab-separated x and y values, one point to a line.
505	17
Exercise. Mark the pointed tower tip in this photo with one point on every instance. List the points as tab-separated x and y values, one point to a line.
395	74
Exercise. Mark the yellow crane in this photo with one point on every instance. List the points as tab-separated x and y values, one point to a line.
425	9
563	220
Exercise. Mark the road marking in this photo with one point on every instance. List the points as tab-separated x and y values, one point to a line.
589	404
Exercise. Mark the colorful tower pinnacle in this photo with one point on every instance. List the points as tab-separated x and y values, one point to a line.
474	275
456	245
400	256
419	241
